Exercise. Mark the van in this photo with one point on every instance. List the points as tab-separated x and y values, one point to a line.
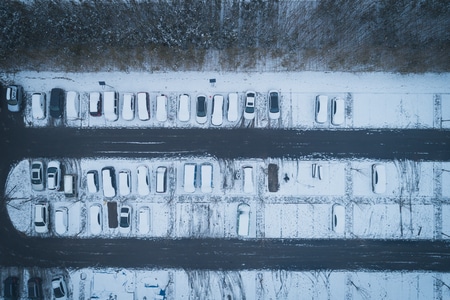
144	220
190	175
38	105
92	181
41	217
72	106
143	106
321	108
248	179
233	107
161	108
217	110
161	179
61	220
70	185
337	111
128	106
109	182
206	178
111	101
243	220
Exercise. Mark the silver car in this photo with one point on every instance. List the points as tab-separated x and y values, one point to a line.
37	175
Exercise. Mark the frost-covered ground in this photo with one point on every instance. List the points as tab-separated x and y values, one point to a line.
373	100
414	205
133	284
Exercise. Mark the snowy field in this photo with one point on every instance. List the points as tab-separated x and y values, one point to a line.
406	101
413	206
132	284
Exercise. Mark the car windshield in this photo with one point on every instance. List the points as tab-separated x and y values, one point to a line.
59	293
274	103
201	112
11	96
249	109
36	176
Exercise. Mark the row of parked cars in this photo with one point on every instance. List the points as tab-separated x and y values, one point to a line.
11	288
337	110
51	177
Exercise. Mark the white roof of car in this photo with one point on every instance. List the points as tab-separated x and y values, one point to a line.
144	220
161	108
243	219
217	114
143	185
110	106
338	111
248	179
108	188
61	220
92	188
94	97
206	173
189	178
128	106
72	105
233	107
321	108
184	108
124	182
36	108
143	109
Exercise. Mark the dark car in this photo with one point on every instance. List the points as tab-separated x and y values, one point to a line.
35	288
11	288
201	109
274	105
57	103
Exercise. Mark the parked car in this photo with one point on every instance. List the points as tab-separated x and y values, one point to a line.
243	222
249	110
128	106
248	179
207	177
111	105
72	106
57	103
37	175
190	177
61	220
11	288
321	108
233	107
144	220
125	219
143	106
124	182
217	110
109	182
53	175
338	218
70	185
161	108
34	287
38	106
41	217
337	111
378	178
143	181
14	98
59	287
95	104
95	219
184	108
161	179
201	107
274	105
92	181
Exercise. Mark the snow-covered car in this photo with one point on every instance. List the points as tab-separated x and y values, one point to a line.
143	184
190	177
248	179
161	179
61	217
38	105
125	219
206	178
144	220
321	108
109	182
274	105
201	107
338	218
111	105
337	111
92	181
249	110
72	106
53	175
184	108
161	108
243	219
95	219
14	98
57	103
41	217
217	110
233	107
95	104
128	106
124	182
378	178
59	288
143	106
37	175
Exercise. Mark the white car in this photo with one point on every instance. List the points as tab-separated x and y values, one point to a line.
338	218
249	110
92	181
37	175
61	223
95	219
111	105
217	110
144	220
143	106
378	178
274	105
41	217
206	174
72	106
59	288
95	104
201	109
53	175
128	106
184	108
161	179
38	106
143	184
190	177
161	108
233	107
125	219
243	222
248	179
321	108
109	182
124	182
337	111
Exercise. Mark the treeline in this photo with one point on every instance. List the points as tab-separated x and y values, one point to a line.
89	35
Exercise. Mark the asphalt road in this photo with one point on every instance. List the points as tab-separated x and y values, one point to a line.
17	142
